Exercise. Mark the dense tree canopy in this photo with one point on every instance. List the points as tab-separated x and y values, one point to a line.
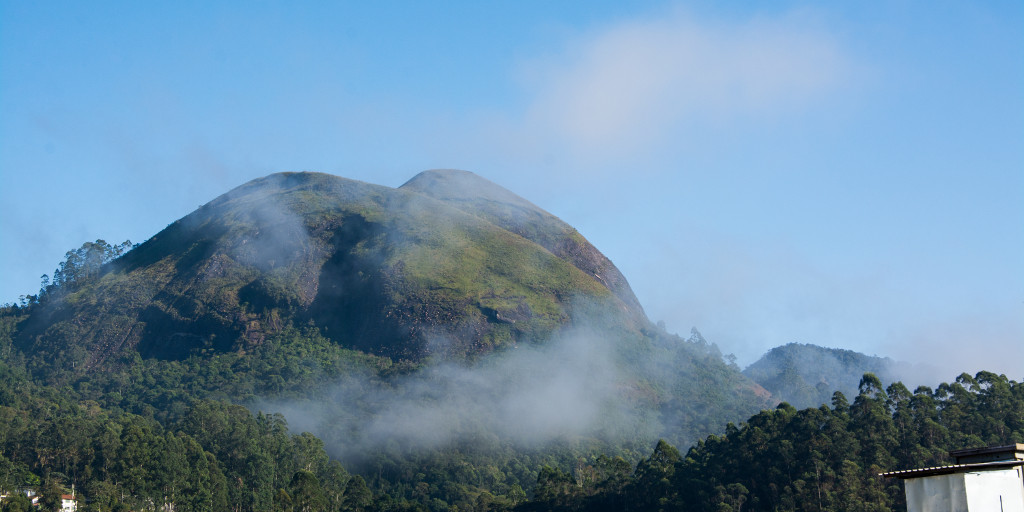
815	459
149	432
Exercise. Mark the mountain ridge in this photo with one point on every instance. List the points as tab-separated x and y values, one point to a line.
357	260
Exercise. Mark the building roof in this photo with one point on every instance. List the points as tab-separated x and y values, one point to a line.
955	468
989	453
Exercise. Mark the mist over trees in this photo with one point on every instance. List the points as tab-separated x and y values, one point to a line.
814	459
306	342
154	432
150	435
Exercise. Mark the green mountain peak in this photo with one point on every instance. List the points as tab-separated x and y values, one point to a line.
448	256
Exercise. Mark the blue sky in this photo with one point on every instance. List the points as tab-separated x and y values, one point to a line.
788	171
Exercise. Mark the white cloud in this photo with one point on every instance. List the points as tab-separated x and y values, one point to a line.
624	89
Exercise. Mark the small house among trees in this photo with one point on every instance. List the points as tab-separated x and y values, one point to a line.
68	503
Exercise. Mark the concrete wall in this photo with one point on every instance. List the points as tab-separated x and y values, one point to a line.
995	490
979	491
939	493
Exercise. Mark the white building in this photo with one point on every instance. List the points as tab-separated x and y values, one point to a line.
983	479
68	503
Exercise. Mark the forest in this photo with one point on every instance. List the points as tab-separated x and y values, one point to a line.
815	459
149	433
124	448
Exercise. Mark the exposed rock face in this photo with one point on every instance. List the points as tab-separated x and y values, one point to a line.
449	264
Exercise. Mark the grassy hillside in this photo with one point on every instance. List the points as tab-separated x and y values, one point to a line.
472	194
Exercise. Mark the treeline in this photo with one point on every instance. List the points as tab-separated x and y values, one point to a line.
81	266
218	456
211	455
146	432
681	384
156	432
815	459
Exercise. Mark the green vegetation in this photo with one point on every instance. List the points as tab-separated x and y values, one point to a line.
372	268
161	419
415	331
165	432
216	456
815	459
481	198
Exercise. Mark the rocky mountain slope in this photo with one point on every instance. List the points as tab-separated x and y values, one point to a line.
449	264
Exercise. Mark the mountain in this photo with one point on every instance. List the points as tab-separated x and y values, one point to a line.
806	375
309	341
446	340
297	282
447	265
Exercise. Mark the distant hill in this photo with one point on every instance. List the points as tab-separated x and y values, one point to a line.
448	264
807	375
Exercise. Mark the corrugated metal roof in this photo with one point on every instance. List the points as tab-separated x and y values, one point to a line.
1004	452
955	468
